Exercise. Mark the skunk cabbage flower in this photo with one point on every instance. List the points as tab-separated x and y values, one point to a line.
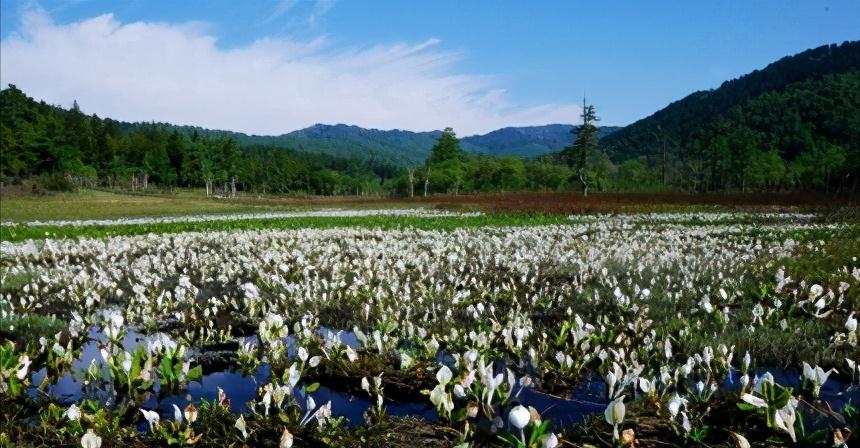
744	380
25	365
191	413
646	385
286	439
755	401
240	425
784	418
73	413
816	376
351	355
741	441
177	414
151	417
444	375
815	291
614	415
675	404
91	440
519	417
550	441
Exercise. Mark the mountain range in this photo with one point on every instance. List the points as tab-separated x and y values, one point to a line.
406	147
677	126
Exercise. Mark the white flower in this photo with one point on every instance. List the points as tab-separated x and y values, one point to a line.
675	404
851	323
303	354
755	401
151	417
646	385
741	440
267	398
444	375
815	291
519	417
191	413
73	413
784	418
351	354
550	441
91	440
240	425
817	376
22	372
685	422
177	414
286	439
614	415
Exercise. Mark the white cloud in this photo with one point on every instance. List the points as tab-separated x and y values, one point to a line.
176	73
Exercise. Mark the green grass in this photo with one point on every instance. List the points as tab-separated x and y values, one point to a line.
91	204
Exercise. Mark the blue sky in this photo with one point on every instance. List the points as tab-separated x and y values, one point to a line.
476	65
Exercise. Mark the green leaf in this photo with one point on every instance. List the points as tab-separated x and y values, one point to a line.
746	407
194	373
311	388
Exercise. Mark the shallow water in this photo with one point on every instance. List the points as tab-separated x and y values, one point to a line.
588	398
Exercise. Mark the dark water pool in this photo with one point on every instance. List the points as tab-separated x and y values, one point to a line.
588	398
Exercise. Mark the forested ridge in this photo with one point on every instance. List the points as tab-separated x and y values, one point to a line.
792	126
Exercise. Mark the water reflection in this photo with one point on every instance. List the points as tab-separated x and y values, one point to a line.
588	398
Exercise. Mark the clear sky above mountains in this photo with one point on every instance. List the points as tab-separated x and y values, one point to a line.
272	67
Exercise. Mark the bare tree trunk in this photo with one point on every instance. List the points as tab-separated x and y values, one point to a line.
233	187
663	173
145	181
584	184
411	183
426	181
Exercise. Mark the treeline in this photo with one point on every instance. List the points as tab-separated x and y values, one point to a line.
60	149
450	170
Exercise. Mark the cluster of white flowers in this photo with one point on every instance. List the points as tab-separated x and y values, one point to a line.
556	298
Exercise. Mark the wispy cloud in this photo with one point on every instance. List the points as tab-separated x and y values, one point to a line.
320	8
176	73
281	7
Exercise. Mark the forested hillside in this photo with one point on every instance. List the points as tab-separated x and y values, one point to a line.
58	149
526	141
792	125
398	147
63	149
